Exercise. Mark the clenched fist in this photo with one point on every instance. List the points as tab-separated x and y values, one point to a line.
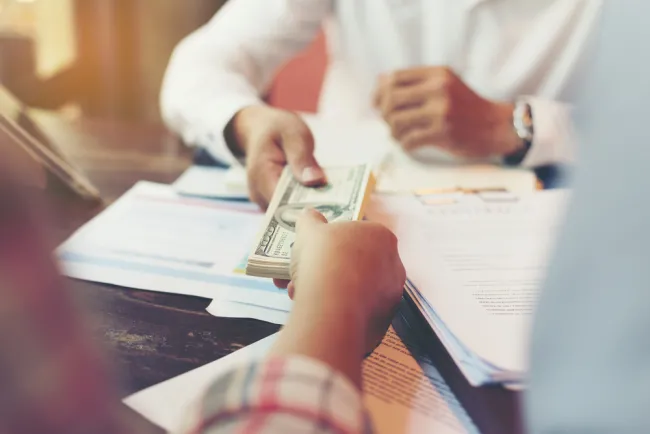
431	106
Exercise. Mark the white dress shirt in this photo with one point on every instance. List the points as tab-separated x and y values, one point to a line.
503	49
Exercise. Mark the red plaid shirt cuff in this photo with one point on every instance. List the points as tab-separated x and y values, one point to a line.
283	395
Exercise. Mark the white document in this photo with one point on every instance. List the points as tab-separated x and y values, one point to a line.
401	394
168	404
212	182
154	239
479	263
233	309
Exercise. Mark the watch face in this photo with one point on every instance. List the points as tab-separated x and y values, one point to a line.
523	120
527	117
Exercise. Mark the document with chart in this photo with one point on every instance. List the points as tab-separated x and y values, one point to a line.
155	239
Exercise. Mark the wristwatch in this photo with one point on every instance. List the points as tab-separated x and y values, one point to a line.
522	122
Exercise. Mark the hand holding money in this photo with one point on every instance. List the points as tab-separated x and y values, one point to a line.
342	199
272	139
350	271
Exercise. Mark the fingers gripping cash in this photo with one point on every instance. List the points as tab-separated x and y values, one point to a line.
342	198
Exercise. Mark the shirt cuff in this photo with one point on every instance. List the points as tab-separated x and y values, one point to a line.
297	391
554	139
208	131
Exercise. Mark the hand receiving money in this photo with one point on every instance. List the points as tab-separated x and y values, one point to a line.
342	199
347	280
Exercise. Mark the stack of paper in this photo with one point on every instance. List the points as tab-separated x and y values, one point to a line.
475	264
341	199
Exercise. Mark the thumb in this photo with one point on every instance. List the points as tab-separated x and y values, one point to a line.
309	220
299	150
306	227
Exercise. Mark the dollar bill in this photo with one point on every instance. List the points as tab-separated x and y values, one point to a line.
341	199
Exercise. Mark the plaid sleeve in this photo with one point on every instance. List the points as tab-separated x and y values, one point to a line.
282	395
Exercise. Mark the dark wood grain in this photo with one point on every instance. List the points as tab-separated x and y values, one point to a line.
153	336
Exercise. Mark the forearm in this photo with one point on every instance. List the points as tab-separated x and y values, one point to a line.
327	331
310	380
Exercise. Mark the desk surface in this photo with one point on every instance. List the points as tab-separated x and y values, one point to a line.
155	336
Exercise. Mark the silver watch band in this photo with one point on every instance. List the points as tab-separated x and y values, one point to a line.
523	120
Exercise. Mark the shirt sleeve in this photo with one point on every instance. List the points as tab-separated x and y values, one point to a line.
228	63
281	395
554	140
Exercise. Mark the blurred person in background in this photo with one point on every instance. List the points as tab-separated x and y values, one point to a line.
482	79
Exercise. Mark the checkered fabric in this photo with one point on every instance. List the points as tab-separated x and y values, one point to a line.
282	395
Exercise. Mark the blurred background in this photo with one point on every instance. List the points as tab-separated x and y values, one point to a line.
106	58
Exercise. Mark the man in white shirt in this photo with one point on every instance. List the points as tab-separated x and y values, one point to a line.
475	78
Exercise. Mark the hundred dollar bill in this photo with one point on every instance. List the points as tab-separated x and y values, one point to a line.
342	199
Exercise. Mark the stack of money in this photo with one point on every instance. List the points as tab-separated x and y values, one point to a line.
342	199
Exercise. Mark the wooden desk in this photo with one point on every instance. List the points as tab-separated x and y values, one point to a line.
155	336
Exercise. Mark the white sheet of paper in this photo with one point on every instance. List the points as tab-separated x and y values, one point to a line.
167	404
478	263
154	239
402	395
211	182
233	309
